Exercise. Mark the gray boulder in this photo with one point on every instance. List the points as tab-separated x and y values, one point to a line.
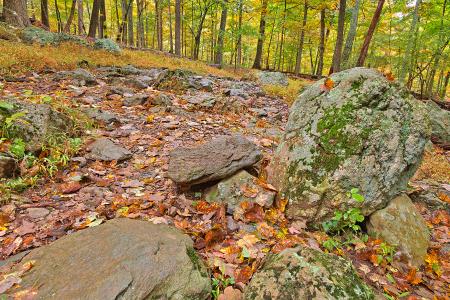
162	100
35	123
138	99
79	76
214	160
304	273
366	132
440	123
8	166
107	45
272	78
401	225
106	150
239	188
122	259
102	116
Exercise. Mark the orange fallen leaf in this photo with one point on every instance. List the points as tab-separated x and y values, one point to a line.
328	84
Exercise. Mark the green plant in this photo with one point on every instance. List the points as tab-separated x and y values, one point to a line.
17	148
385	252
10	121
219	284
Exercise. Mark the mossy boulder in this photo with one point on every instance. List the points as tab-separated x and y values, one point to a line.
358	131
272	78
38	35
305	273
440	123
107	44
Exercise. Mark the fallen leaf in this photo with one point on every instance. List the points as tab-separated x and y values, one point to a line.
70	187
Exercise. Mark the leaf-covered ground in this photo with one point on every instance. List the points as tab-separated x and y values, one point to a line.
85	193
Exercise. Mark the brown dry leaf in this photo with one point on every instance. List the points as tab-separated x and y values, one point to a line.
214	236
413	277
265	230
244	274
70	187
389	76
248	191
254	213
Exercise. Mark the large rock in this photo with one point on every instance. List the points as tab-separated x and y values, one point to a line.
401	225
365	132
239	188
214	160
35	123
8	166
122	259
79	76
440	123
106	150
304	273
272	78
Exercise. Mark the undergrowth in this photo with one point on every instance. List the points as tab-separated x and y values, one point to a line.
288	93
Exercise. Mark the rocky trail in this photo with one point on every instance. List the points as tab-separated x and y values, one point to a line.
188	151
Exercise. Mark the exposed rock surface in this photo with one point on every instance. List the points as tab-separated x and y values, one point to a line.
365	132
401	225
440	123
214	160
274	78
80	76
37	122
102	116
304	273
122	259
8	166
237	189
137	99
106	150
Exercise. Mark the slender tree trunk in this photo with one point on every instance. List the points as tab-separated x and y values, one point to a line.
322	43
336	64
444	88
178	27
301	40
70	18
198	34
351	35
15	13
370	31
130	24
94	18
262	29
407	60
170	28
81	29
44	13
239	38
220	38
58	17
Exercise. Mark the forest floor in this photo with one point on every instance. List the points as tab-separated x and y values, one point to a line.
85	193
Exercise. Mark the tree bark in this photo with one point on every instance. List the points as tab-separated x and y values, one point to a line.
239	38
170	28
262	29
44	13
351	35
302	38
220	38
70	18
370	31
322	43
130	24
407	61
93	25
15	13
444	88
178	27
336	64
81	29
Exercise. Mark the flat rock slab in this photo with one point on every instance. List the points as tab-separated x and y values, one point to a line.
106	150
401	225
304	273
121	259
214	160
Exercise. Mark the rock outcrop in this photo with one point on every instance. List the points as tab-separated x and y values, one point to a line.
122	259
214	160
106	150
304	273
359	130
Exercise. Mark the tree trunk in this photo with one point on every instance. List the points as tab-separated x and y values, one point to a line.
94	19
370	31
302	38
130	24
322	43
15	13
70	18
239	38
444	88
220	38
81	29
262	29
170	28
44	13
336	64
178	27
351	35
407	61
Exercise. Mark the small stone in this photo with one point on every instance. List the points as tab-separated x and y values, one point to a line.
37	212
401	225
137	99
106	150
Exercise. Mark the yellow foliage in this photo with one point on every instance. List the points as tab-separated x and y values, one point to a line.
288	93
